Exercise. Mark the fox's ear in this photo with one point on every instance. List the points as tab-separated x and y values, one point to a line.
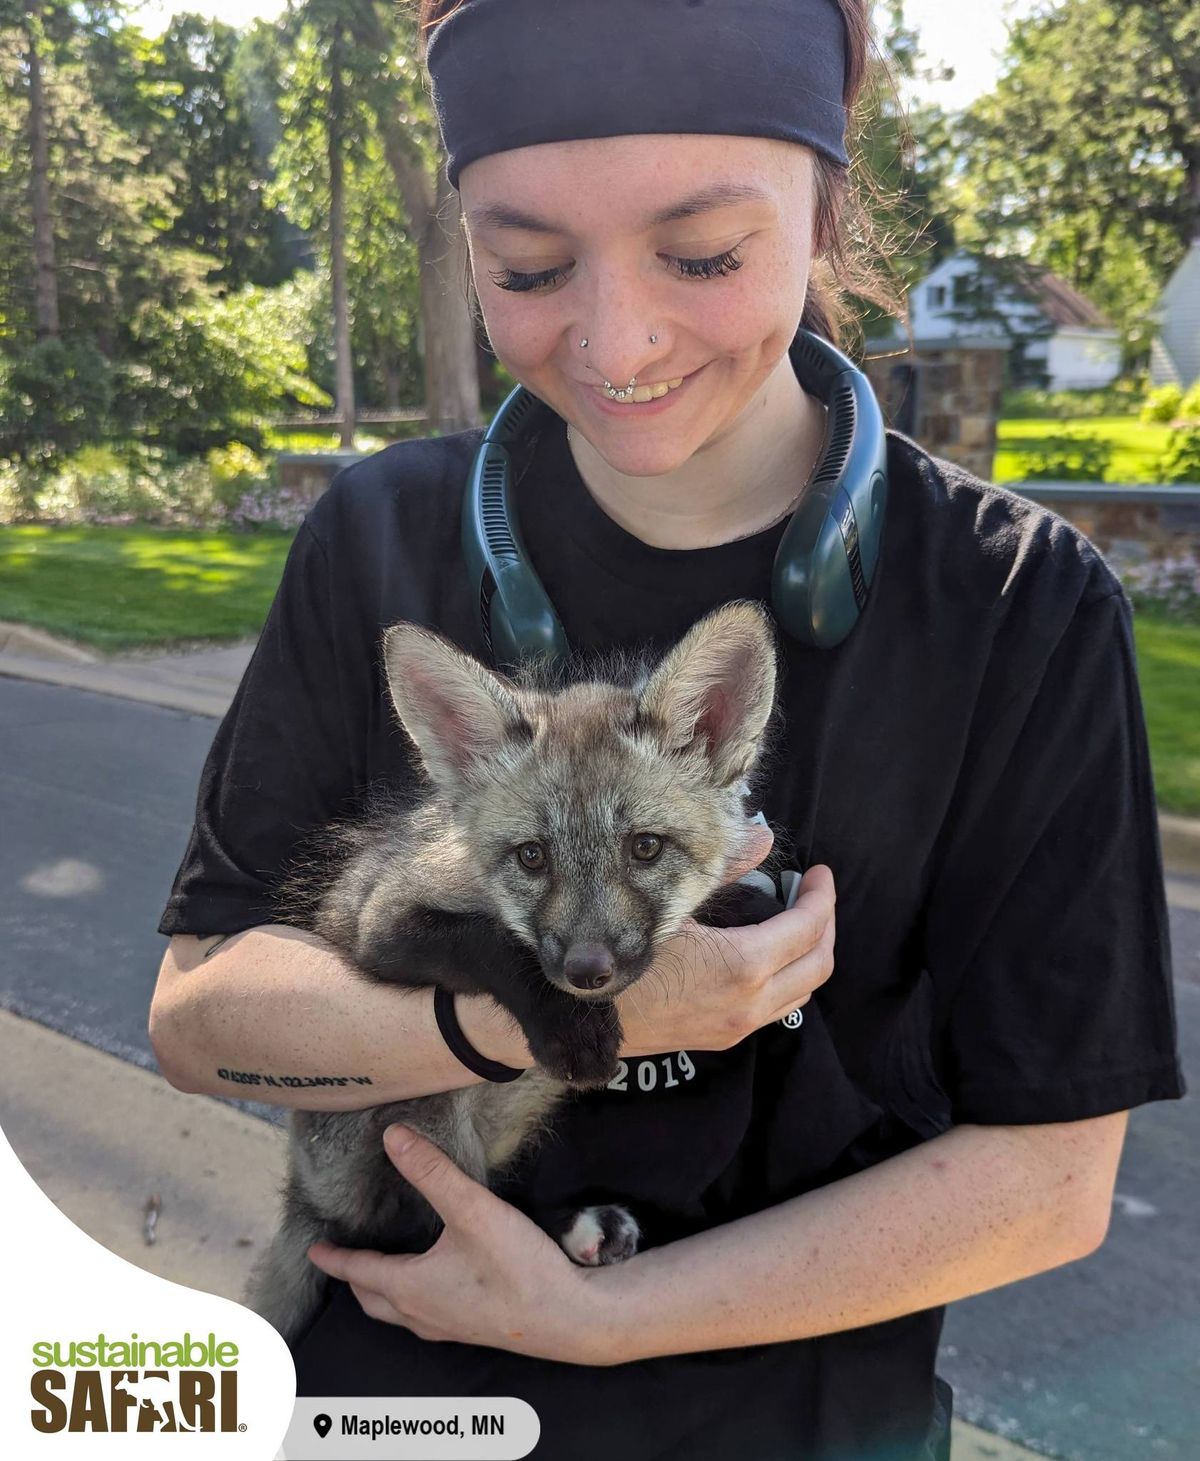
457	711
714	691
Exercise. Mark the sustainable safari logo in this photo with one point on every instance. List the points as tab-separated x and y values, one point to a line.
102	1384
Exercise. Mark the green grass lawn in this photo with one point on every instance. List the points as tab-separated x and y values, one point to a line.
120	588
1137	447
1168	653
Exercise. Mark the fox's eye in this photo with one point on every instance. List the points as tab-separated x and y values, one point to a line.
532	855
646	846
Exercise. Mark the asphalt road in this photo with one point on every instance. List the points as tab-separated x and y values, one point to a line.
1096	1362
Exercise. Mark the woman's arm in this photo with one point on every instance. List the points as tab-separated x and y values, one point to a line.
272	1013
278	1015
971	1210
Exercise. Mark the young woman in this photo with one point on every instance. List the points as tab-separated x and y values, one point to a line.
652	192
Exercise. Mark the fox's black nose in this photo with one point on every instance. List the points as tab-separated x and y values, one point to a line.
588	966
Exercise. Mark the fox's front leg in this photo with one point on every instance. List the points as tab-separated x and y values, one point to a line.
574	1039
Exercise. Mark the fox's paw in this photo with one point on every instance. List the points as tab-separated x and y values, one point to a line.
601	1235
581	1050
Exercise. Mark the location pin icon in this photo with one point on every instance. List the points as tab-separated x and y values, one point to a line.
322	1425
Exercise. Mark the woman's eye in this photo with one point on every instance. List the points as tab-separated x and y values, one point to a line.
532	855
518	283
646	846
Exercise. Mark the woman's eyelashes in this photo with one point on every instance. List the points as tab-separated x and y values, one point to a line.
725	263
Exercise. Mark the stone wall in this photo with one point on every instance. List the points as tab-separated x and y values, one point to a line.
945	395
1130	525
309	473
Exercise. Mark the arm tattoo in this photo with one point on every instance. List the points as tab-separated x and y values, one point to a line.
258	1078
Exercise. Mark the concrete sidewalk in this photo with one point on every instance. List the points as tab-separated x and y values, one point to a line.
106	1140
202	681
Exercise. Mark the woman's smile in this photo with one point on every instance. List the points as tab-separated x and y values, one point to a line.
599	400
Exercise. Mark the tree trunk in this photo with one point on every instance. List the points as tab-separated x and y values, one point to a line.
1191	191
344	373
447	331
45	275
451	376
391	384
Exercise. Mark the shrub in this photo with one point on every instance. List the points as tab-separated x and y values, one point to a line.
55	396
131	484
1162	404
1189	407
212	370
235	471
1181	460
136	483
1067	458
1118	399
264	505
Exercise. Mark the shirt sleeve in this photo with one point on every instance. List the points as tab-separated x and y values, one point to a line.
1047	935
281	763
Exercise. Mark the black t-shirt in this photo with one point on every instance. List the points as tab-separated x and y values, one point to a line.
971	763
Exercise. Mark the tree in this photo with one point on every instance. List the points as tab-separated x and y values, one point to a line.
1086	156
389	74
903	154
335	123
208	131
45	274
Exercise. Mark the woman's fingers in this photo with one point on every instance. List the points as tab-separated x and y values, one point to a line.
792	986
781	940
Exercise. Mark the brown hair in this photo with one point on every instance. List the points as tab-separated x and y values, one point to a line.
847	247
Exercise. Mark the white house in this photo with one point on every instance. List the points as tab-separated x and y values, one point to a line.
1075	346
1175	355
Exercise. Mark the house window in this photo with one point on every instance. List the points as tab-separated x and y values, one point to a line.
937	296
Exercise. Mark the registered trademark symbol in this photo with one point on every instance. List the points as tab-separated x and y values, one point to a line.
241	1425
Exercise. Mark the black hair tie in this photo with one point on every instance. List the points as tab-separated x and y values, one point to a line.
460	1046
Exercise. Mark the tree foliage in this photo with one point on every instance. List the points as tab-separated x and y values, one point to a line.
1085	158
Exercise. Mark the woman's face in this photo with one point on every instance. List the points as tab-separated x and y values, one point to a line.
566	244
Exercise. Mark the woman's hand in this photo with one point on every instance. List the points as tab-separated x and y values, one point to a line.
493	1277
709	988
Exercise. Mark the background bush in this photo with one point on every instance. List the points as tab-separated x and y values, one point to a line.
1181	461
1067	458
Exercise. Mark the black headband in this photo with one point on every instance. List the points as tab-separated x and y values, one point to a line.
512	73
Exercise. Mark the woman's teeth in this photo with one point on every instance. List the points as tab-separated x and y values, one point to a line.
652	393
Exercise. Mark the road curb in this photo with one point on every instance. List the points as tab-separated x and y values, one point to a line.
22	639
121	682
1180	843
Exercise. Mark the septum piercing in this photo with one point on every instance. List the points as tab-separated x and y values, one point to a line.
610	390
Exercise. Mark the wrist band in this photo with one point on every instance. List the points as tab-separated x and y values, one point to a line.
460	1046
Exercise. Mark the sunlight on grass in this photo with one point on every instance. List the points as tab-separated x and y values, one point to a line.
117	588
1168	655
1137	446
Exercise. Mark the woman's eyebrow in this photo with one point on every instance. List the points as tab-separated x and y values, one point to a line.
719	195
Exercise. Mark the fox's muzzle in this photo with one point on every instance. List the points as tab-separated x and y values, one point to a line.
588	966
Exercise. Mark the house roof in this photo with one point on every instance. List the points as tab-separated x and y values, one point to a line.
1061	304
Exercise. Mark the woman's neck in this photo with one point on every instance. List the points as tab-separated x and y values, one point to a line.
742	483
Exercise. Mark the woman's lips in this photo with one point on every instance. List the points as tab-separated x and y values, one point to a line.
609	407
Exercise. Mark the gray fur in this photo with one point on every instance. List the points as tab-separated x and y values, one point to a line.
581	761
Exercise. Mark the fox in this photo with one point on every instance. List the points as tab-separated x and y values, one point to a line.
568	817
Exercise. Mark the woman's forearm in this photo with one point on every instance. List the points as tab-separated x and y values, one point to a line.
971	1210
277	1015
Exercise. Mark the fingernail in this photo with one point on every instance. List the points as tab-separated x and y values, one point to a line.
399	1138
